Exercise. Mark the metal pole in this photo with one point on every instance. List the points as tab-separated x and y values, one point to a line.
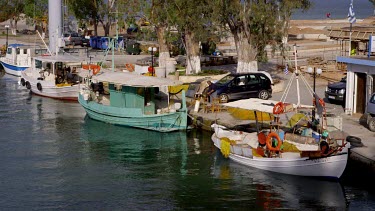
296	72
152	61
313	111
350	39
7	39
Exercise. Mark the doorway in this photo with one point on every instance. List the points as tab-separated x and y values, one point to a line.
361	93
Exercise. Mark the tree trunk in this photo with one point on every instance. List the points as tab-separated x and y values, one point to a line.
12	26
193	61
163	45
106	27
246	53
96	28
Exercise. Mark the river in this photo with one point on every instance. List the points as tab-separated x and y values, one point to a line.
53	157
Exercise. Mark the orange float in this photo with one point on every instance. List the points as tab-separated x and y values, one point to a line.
278	108
130	67
95	68
269	141
262	138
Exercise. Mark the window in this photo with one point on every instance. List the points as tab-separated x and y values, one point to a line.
253	79
9	51
225	80
18	51
241	80
25	51
38	64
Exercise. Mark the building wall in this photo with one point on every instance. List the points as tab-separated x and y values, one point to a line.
352	85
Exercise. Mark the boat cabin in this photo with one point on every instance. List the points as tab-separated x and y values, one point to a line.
60	71
141	99
18	54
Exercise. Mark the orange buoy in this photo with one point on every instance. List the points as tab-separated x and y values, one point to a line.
130	67
278	108
262	139
321	102
269	141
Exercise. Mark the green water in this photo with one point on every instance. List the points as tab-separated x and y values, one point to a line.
53	157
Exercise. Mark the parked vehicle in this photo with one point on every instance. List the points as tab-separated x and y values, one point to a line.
371	113
336	91
244	85
72	38
85	41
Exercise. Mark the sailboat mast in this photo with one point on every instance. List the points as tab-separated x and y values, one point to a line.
296	72
54	24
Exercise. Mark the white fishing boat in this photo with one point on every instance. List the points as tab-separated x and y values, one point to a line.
53	76
18	58
55	73
297	149
244	148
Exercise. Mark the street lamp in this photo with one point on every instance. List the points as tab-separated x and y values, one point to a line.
7	27
152	50
314	71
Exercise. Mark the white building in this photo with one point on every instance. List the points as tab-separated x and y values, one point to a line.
359	83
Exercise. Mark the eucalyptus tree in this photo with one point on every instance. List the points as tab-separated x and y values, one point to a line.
11	10
96	11
36	12
157	14
255	24
192	19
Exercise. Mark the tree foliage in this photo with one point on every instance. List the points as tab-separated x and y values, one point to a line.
256	23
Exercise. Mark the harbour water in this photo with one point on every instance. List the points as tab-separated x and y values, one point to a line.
338	8
53	157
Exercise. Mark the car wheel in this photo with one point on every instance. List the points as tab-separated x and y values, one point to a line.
224	98
264	95
371	124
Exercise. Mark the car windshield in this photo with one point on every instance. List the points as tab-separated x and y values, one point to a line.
225	80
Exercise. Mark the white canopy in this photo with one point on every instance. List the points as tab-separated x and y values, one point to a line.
258	105
133	79
253	104
66	58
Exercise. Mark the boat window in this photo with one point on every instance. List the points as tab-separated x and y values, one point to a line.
38	64
9	51
225	80
24	51
18	50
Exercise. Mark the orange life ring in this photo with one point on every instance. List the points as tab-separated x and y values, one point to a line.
95	68
278	108
269	141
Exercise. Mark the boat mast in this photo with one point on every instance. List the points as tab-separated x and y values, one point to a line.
296	72
54	24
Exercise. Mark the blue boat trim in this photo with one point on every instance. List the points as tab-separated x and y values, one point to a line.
13	67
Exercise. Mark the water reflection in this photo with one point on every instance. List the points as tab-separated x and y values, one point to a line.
272	190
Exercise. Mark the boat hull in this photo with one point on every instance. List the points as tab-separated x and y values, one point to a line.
49	89
119	116
330	167
13	69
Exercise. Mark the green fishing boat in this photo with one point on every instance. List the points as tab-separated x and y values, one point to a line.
133	100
